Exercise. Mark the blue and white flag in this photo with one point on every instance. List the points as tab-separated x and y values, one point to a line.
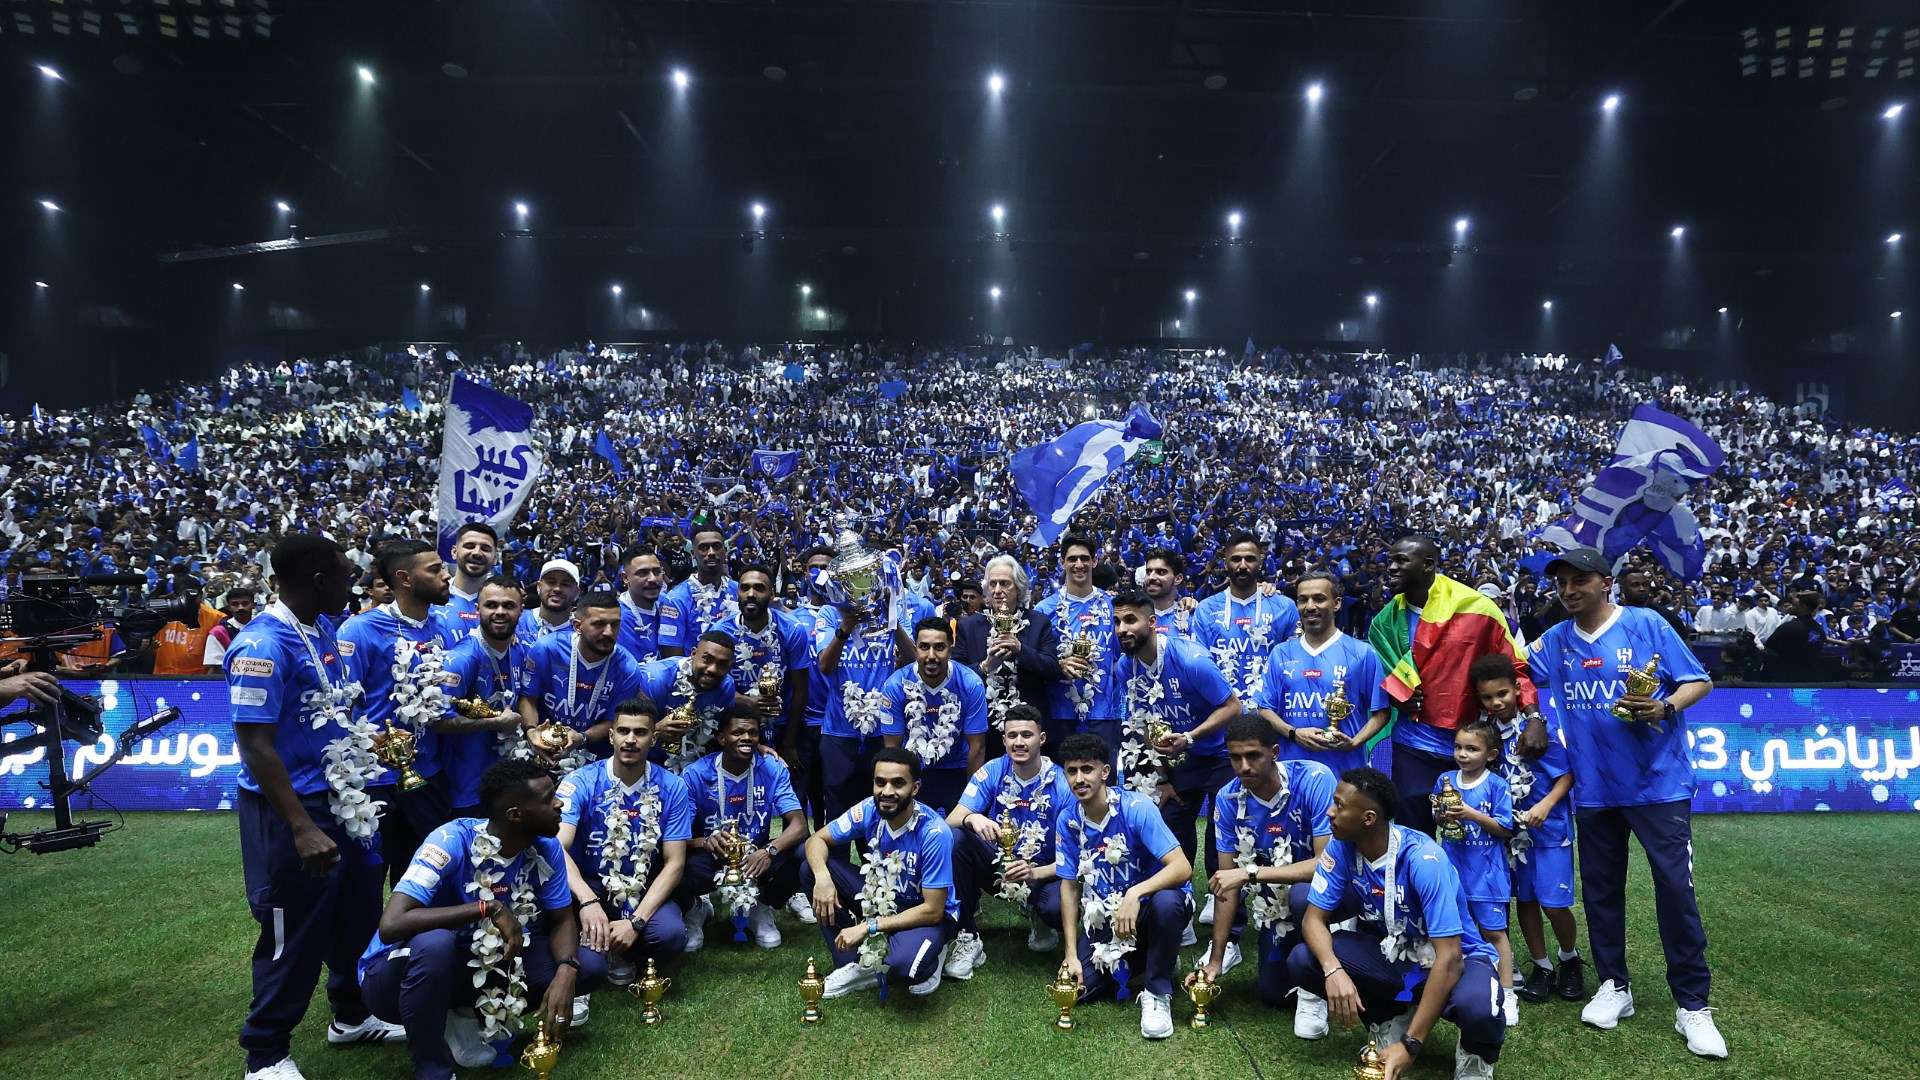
603	446
1060	477
489	461
794	373
1892	490
188	457
410	401
892	389
39	417
775	464
1636	499
157	447
1613	354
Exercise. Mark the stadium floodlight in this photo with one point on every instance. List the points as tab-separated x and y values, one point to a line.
50	206
283	206
1893	111
617	290
1611	103
366	74
1723	309
237	287
1176	324
1546	305
759	212
820	313
1192	295
999	212
1233	221
1460	226
806	291
520	209
1314	93
41	285
49	71
994	292
1894	315
1373	300
1677	231
1893	238
995	83
681	80
425	288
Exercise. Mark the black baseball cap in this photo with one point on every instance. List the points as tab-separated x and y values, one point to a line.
1585	558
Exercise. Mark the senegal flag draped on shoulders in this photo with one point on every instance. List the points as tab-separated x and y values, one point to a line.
1457	624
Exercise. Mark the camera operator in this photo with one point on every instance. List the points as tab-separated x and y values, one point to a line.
17	682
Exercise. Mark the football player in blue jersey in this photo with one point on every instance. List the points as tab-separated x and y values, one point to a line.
475	548
485	667
1243	623
704	600
646	578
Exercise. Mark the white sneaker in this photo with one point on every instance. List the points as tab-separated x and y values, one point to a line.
284	1069
802	909
1512	1010
932	982
697	924
1156	1018
1390	1032
1703	1038
1231	958
1206	912
1041	938
371	1030
765	933
848	978
968	954
470	1051
1470	1066
1610	1004
1187	937
621	972
582	1008
1309	1016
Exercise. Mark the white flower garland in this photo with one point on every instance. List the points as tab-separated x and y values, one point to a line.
1140	760
1002	682
1080	691
1519	784
935	742
1032	834
879	897
1266	904
739	900
1255	654
621	846
863	708
1097	908
1400	943
350	763
419	695
711	604
502	998
743	662
706	720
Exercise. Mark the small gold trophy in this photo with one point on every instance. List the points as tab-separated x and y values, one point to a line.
475	708
1065	993
1159	731
396	750
1009	835
1641	682
1082	646
1369	1067
549	740
682	715
767	685
1448	801
1338	708
811	987
1004	620
541	1055
650	990
1203	992
732	849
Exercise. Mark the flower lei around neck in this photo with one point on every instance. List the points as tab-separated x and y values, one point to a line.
349	763
740	899
1080	691
1032	832
743	662
1251	662
623	847
502	987
881	877
706	719
1266	904
931	742
419	694
863	708
1400	942
1519	780
711	604
1140	761
1002	682
1097	904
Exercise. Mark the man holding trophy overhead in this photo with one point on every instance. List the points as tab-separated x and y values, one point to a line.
1621	678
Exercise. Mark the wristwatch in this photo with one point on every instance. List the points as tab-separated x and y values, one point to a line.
1412	1044
873	925
1668	715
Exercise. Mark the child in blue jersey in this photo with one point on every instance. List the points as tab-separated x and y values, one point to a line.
1029	791
625	823
894	921
1126	887
1270	822
578	678
1302	674
1633	778
417	969
485	666
1486	814
702	679
751	791
1413	939
937	709
1541	851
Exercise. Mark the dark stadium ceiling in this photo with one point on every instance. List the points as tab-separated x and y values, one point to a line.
1125	127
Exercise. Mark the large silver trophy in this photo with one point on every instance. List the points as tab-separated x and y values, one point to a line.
856	570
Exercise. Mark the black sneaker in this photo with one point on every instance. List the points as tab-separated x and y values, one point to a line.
1538	985
1570	980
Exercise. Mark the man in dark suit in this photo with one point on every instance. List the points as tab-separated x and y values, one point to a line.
1019	666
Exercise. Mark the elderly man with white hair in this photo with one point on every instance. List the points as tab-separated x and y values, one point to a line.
1017	666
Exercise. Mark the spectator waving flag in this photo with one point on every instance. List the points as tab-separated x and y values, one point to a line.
410	401
775	464
1892	490
188	457
603	446
489	461
1636	499
1613	354
157	447
1060	477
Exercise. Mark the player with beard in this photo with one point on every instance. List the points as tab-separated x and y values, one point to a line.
404	636
923	699
704	600
708	674
646	578
1165	575
1242	624
768	637
579	678
485	665
476	549
558	590
1303	672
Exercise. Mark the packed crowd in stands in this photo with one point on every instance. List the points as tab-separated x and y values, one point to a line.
1327	457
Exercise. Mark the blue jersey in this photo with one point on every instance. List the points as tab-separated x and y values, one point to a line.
925	847
275	677
1529	781
460	611
567	687
755	805
1176	620
478	672
1299	680
784	644
1430	901
995	788
591	793
1123	849
866	663
689	610
639	629
376	645
962	688
808	616
441	875
1241	634
1191	688
1481	859
658	679
534	628
1093	616
1617	763
1281	831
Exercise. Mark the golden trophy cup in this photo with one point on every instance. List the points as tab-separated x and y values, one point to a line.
1065	994
549	740
1369	1067
682	715
767	684
541	1055
396	750
1157	732
1338	708
1203	992
732	849
1004	620
812	986
1642	681
650	990
1082	646
1009	835
475	708
1448	801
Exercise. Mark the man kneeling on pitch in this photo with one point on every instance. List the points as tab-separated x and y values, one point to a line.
1414	938
495	889
895	917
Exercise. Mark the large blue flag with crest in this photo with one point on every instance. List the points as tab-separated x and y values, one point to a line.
1060	477
775	464
1636	498
489	461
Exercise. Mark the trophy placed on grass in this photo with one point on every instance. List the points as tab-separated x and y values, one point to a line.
812	986
541	1055
1642	681
1065	994
1203	992
1448	801
650	990
1369	1067
396	748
